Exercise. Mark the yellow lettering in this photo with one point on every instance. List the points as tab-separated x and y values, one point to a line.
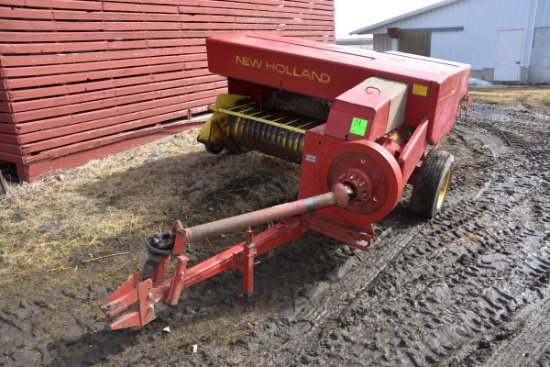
314	75
257	63
293	72
321	78
247	61
325	78
242	60
269	66
283	69
452	93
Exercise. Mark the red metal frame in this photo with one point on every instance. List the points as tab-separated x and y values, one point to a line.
133	303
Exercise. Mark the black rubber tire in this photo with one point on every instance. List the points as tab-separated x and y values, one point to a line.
211	150
237	149
431	184
149	267
231	149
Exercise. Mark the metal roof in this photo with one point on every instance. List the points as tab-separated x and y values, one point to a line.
404	16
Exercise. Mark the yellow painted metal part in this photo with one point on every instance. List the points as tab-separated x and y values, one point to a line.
215	131
251	116
238	123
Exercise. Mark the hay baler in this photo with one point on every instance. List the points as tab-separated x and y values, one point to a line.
361	124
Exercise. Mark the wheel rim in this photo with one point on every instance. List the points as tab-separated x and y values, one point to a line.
444	187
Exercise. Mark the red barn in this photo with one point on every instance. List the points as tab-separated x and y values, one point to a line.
82	79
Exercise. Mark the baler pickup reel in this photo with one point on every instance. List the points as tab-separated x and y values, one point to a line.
359	123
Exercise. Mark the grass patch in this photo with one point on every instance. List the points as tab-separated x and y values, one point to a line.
519	98
82	217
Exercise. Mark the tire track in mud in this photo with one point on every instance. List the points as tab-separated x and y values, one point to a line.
459	286
531	345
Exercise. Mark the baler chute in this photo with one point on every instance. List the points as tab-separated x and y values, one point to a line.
359	123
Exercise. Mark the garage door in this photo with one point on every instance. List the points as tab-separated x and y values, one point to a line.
508	55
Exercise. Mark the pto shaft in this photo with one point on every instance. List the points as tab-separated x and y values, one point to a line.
338	196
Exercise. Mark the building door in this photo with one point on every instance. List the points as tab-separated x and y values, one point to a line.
508	56
418	43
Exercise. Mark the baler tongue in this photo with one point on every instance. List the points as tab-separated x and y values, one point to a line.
132	305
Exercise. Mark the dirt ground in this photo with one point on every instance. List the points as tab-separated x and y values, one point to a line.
468	288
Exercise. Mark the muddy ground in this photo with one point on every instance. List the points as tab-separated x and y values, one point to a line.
468	288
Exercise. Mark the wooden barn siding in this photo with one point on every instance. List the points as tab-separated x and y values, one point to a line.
79	79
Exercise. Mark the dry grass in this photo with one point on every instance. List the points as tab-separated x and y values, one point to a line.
532	97
109	205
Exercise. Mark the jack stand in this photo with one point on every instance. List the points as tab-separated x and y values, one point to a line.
249	253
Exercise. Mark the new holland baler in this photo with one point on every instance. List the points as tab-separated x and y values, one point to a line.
362	124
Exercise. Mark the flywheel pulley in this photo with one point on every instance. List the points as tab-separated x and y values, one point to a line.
373	174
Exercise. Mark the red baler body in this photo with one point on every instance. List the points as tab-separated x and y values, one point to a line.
327	71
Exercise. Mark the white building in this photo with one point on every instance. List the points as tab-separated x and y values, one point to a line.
503	40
